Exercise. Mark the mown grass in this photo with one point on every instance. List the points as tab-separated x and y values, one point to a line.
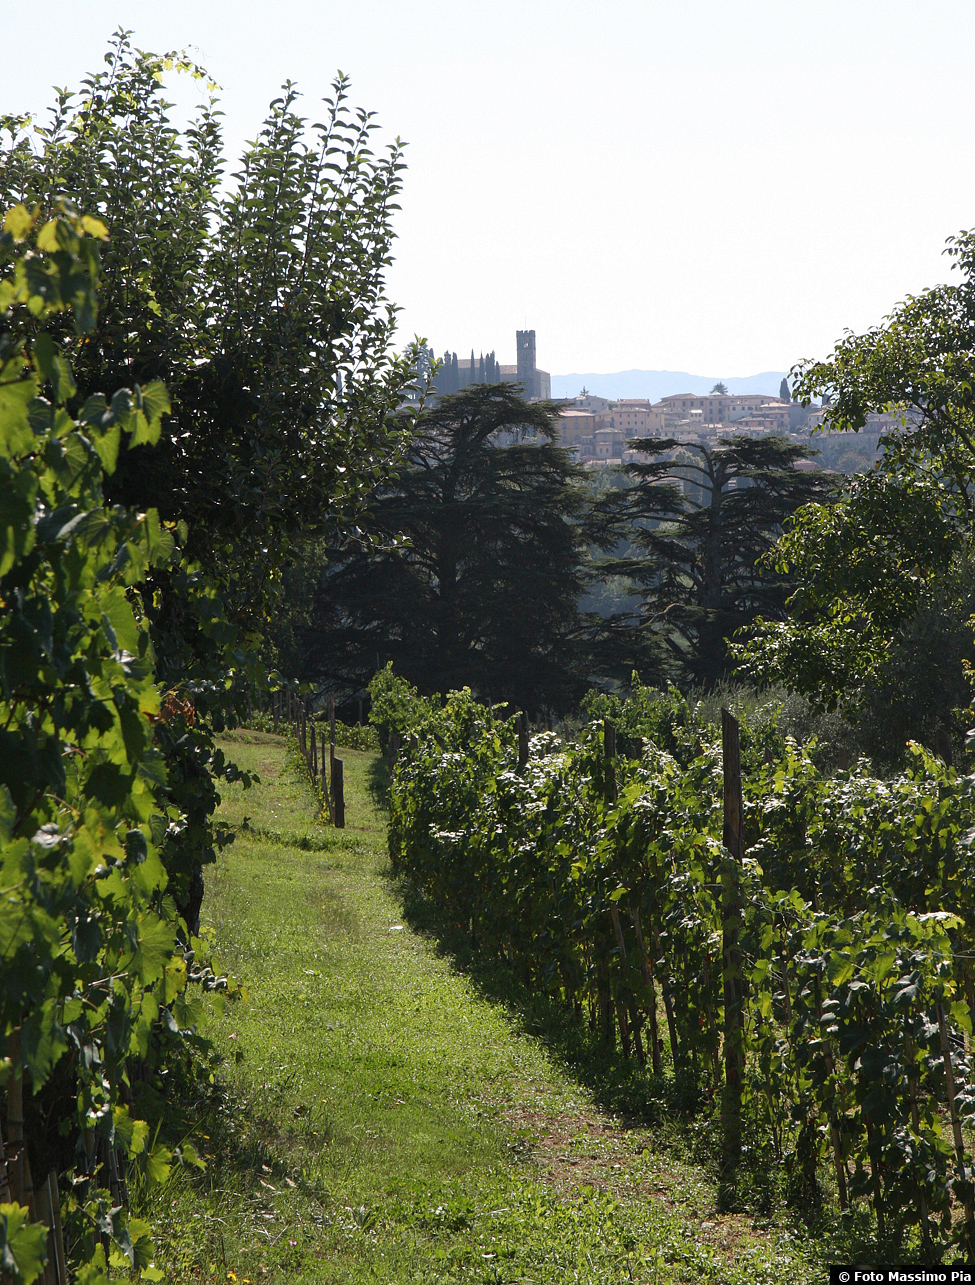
379	1114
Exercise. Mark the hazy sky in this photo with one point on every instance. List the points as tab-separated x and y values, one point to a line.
705	185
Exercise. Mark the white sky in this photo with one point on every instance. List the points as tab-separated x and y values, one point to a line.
719	186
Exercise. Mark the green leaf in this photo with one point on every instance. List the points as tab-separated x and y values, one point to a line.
108	784
95	1271
157	542
8	814
117	614
43	1041
157	941
190	1156
107	445
150	404
158	1164
18	222
16	435
961	1016
23	1245
53	367
131	1133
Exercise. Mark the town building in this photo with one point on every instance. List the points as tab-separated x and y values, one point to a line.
637	417
457	373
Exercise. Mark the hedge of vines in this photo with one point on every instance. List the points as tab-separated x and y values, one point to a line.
599	880
94	958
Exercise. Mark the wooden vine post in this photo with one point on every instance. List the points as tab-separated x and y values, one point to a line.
963	1174
731	909
606	998
651	1005
629	1029
834	1124
331	730
922	1204
609	752
338	793
328	782
522	741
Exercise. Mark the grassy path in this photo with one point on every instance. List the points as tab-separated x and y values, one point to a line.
376	1117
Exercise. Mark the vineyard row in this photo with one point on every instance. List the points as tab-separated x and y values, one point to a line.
796	948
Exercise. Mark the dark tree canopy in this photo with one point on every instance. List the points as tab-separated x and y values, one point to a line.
700	519
784	393
485	592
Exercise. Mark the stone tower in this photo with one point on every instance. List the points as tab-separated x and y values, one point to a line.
526	362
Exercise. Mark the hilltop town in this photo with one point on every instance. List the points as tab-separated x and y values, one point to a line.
599	429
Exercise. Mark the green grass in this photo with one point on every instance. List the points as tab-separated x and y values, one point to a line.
380	1114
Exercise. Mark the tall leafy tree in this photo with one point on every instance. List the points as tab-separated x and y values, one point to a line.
861	568
878	622
784	393
484	591
259	301
920	361
699	520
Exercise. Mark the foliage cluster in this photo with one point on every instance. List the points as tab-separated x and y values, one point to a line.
353	736
698	520
259	301
473	565
96	959
600	881
879	623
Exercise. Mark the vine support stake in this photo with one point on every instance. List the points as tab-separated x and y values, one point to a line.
629	1030
834	1124
963	1174
651	993
731	951
522	740
922	1204
609	752
338	793
15	1120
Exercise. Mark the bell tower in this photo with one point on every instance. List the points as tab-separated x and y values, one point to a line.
526	362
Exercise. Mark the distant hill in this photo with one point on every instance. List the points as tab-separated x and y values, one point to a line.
662	383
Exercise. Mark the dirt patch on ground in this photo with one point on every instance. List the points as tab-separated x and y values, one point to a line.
593	1151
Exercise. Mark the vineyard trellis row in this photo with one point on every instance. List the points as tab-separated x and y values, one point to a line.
822	975
293	709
